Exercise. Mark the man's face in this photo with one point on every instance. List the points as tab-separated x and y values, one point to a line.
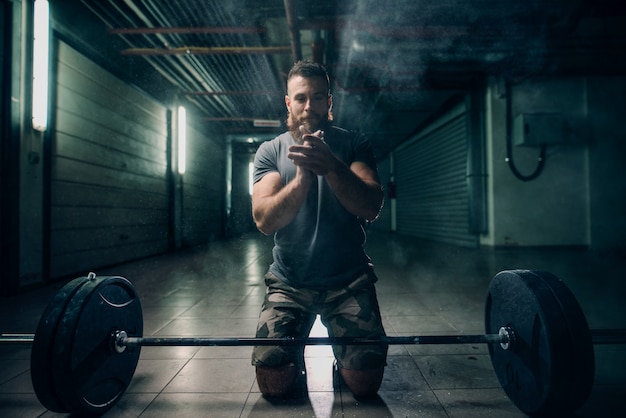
308	104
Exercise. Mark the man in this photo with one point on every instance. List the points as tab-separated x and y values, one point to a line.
314	187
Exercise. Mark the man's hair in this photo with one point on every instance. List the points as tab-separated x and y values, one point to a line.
309	69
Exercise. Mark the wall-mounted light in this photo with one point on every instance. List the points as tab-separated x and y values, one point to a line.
182	139
40	64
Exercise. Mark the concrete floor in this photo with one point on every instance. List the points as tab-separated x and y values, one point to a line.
424	289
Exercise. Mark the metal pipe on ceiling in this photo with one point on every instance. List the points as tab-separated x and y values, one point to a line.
186	30
234	93
291	12
220	50
179	68
232	119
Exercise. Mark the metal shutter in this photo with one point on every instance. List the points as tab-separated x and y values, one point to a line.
108	186
203	190
432	187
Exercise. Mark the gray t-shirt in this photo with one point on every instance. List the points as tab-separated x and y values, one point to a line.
322	248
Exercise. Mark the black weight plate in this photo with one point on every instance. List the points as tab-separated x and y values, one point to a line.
582	367
89	375
531	374
43	343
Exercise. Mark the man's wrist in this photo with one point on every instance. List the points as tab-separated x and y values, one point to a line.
336	169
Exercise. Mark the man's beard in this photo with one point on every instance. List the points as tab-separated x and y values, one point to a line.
294	126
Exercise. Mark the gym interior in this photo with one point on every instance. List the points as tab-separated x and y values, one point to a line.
499	142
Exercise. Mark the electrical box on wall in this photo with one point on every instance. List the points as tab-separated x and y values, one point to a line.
538	129
535	129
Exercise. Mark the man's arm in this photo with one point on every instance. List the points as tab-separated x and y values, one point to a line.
275	205
358	189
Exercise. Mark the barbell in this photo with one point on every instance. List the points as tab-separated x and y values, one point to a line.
87	343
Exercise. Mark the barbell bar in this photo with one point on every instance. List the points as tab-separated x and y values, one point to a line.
124	341
121	340
88	341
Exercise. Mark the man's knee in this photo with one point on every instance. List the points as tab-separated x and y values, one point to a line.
363	383
281	382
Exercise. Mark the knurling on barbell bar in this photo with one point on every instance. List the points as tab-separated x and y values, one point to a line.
87	343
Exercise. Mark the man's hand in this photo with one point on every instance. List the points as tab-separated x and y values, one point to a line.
356	186
314	154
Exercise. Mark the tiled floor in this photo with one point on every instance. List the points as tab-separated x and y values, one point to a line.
424	288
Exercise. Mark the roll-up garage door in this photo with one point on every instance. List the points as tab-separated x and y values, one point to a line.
431	177
203	191
108	186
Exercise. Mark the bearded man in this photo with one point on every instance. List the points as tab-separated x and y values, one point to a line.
314	188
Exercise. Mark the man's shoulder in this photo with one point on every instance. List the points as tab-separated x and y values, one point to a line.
271	154
337	130
340	132
343	138
276	143
284	138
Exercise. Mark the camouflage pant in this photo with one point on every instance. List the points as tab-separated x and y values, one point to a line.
351	311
